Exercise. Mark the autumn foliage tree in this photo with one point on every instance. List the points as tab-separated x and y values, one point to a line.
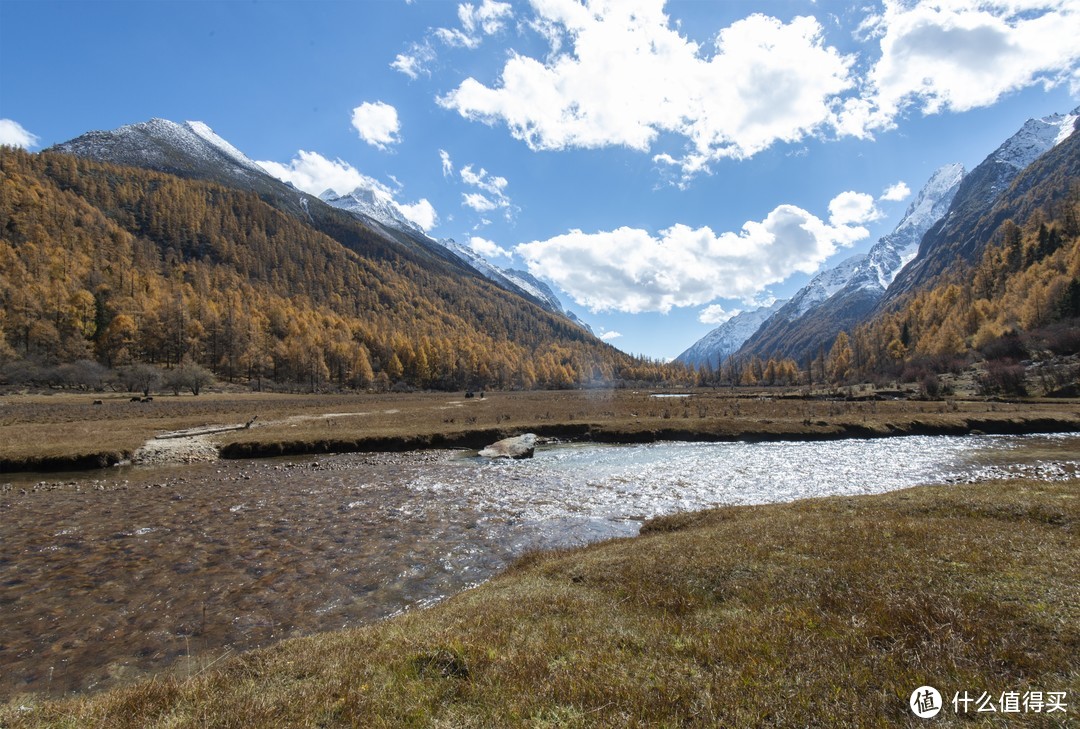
127	266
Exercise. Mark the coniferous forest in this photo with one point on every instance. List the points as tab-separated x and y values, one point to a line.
107	269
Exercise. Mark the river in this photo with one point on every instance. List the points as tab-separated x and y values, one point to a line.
128	572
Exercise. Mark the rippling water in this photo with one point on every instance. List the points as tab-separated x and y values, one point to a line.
103	580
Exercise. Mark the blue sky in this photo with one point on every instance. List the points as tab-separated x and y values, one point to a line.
661	165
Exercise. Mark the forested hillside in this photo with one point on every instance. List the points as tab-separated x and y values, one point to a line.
118	266
1020	300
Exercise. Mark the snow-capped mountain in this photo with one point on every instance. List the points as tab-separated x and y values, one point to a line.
894	251
163	145
1035	138
966	228
822	286
839	297
374	203
726	339
377	205
193	150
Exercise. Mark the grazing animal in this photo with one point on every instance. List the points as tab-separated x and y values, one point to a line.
148	399
136	399
98	402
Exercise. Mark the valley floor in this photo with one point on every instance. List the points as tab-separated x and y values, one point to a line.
78	431
823	612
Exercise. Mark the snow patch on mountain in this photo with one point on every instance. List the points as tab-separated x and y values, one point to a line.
824	285
1036	137
379	206
374	203
155	143
726	339
892	252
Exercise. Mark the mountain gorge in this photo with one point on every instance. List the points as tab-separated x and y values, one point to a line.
948	227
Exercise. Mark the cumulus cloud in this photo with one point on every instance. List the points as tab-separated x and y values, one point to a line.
315	174
852	208
421	212
628	76
896	192
12	134
956	55
716	314
487	248
621	73
632	270
608	336
415	61
377	124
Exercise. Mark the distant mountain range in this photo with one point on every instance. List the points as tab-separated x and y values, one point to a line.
951	218
193	150
370	204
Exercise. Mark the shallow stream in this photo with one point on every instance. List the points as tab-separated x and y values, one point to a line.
110	577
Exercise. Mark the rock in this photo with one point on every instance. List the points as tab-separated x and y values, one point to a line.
521	446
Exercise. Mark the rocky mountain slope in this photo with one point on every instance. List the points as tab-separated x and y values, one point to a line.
974	216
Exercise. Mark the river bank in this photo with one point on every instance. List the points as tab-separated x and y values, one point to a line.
822	611
72	433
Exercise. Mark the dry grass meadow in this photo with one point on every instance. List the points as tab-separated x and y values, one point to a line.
825	612
70	431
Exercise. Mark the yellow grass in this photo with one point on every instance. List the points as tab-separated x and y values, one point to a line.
825	612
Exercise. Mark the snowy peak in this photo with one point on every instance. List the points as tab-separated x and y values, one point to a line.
894	251
726	339
164	145
374	203
1036	137
933	199
824	285
206	134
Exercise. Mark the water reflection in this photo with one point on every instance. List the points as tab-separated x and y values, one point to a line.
105	579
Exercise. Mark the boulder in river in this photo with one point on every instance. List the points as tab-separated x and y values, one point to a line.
520	446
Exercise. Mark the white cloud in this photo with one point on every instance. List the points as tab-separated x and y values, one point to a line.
608	336
478	202
716	314
491	184
492	190
12	134
377	124
447	165
621	73
956	55
487	248
896	192
629	76
631	270
422	213
488	18
314	174
852	208
415	61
